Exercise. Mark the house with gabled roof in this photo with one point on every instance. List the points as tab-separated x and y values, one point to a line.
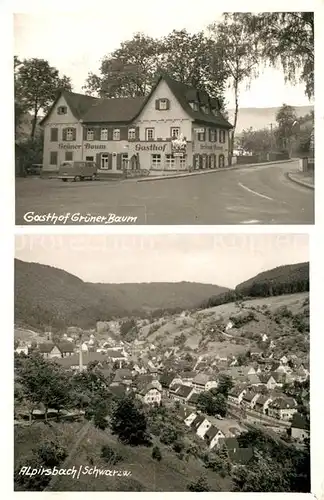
150	395
212	436
138	132
236	394
282	408
200	425
181	392
204	382
249	399
56	350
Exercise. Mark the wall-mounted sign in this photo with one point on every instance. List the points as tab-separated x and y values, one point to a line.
69	146
88	145
210	147
199	130
179	145
150	147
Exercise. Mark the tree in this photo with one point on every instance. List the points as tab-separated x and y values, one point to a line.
256	141
129	423
287	38
287	120
189	59
36	86
225	384
129	71
201	484
212	404
44	383
237	47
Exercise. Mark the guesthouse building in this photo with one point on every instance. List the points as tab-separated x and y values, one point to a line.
175	127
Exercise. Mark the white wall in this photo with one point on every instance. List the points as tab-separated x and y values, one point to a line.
162	121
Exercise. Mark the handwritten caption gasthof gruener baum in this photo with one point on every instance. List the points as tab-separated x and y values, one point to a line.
53	218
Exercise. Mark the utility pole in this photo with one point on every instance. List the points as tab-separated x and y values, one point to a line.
271	137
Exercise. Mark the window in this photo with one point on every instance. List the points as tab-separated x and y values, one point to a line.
222	136
169	162
131	134
68	155
156	162
204	161
197	162
205	109
53	158
149	134
194	106
163	104
182	162
104	134
90	134
54	134
201	134
62	110
212	161
213	135
69	134
116	134
175	132
89	158
104	161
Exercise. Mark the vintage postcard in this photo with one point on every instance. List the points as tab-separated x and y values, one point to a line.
200	117
175	363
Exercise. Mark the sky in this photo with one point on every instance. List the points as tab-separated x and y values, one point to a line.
222	259
75	42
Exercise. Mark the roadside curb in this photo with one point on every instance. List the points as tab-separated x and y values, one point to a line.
224	169
300	182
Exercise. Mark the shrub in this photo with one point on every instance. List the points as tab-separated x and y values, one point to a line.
110	455
156	453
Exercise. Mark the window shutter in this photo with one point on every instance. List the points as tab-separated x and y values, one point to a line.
98	160
109	161
84	133
157	104
97	134
123	133
74	134
167	104
137	133
54	134
64	134
209	134
110	134
119	161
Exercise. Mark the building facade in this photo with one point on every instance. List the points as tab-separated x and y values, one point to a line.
137	133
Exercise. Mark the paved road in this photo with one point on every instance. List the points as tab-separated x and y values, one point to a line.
249	195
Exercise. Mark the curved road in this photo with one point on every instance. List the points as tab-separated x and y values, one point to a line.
248	195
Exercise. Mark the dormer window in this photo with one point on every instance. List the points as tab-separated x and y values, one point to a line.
215	111
194	106
205	109
162	104
62	110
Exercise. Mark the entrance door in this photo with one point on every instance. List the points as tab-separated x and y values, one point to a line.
221	161
104	161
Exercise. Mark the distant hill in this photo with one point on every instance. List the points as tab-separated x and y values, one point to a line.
46	296
259	118
280	280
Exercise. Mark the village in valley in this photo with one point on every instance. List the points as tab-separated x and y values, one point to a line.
203	379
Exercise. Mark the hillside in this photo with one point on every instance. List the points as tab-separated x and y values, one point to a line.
283	279
46	296
284	319
259	118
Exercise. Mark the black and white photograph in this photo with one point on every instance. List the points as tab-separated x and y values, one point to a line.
167	363
164	115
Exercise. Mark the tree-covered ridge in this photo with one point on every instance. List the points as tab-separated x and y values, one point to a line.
46	296
281	280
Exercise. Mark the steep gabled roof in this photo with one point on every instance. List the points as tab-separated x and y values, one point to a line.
183	391
78	104
212	432
114	110
186	93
